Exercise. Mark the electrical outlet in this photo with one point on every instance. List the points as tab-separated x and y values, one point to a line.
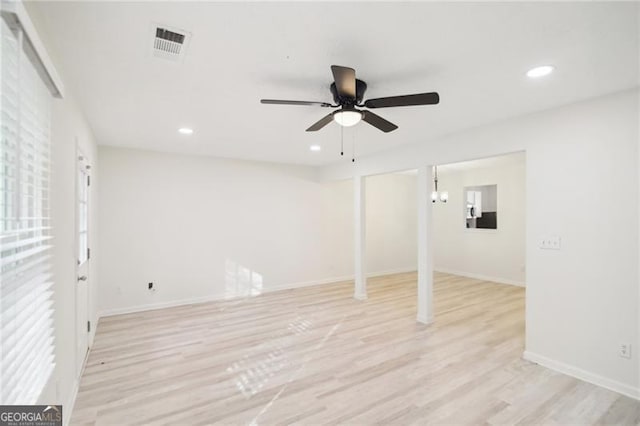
624	350
551	242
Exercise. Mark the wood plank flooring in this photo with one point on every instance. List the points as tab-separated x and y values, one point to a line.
317	356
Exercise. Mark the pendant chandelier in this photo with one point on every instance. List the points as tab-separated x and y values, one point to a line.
443	196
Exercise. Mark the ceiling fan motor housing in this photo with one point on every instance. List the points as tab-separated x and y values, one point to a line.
361	87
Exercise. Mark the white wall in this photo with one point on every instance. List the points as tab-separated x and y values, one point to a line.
582	185
202	228
496	255
69	131
392	222
592	283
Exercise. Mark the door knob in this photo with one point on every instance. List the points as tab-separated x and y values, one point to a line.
82	278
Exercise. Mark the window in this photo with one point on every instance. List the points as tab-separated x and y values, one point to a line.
26	293
83	215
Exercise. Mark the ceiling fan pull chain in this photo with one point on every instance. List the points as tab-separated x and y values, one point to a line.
341	140
353	147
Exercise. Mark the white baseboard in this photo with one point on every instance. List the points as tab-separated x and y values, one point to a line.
481	277
67	407
217	297
583	375
391	272
71	400
160	305
210	298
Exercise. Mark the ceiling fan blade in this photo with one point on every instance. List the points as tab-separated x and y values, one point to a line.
345	79
407	100
304	103
321	123
378	122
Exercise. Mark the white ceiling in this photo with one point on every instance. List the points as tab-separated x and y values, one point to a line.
474	54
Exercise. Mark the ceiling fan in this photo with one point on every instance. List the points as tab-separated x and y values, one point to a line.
348	93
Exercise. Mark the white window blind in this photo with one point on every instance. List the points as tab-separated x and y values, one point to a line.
26	288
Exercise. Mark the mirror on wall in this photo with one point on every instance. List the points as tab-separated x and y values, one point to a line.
481	206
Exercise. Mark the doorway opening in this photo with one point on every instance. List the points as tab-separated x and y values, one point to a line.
478	241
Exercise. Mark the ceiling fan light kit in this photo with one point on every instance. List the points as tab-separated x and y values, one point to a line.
348	95
347	117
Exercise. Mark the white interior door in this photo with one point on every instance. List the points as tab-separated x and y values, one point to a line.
83	326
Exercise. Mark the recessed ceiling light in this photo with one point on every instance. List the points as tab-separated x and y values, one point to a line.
185	131
315	148
540	71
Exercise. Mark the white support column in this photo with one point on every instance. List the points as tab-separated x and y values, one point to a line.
425	245
359	196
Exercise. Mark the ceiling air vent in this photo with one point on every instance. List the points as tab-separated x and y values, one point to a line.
169	43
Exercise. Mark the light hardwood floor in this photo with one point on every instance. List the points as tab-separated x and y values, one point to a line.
317	356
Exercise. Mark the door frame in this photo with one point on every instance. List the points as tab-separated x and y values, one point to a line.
82	166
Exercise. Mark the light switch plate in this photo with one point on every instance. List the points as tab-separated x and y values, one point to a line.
550	242
624	350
